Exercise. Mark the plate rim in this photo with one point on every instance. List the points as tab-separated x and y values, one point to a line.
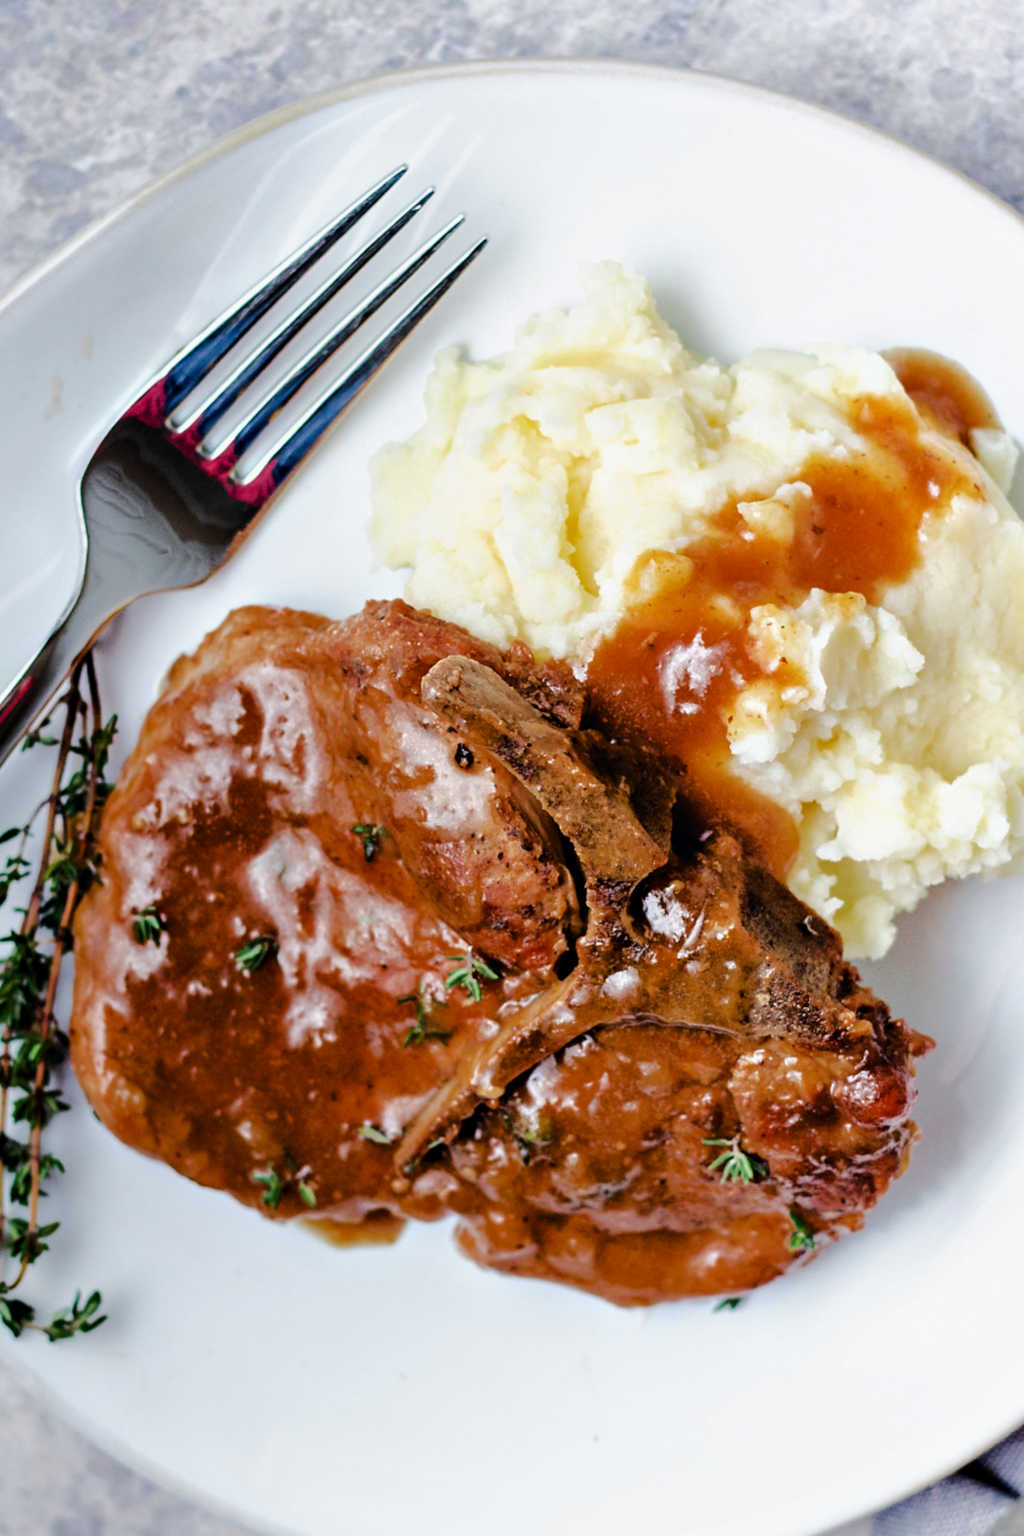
52	1401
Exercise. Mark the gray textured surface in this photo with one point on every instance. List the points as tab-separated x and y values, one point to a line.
100	96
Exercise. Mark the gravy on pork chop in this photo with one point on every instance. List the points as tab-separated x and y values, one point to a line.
423	945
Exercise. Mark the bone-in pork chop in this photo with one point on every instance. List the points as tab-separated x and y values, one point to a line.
382	930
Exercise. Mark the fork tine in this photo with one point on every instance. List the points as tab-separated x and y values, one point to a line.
208	411
199	356
272	399
282	456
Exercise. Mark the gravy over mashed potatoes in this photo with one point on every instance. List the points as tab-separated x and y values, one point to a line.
784	572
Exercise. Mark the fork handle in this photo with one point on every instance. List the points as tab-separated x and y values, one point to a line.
33	694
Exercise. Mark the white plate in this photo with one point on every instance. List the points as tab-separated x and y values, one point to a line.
342	1391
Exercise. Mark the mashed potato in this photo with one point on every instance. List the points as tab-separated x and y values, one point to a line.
523	505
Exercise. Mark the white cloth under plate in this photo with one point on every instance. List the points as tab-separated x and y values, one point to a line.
960	1505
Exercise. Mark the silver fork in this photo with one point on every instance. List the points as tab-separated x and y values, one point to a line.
220	477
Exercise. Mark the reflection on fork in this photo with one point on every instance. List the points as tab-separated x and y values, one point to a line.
212	430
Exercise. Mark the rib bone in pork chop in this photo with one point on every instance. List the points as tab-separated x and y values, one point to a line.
424	946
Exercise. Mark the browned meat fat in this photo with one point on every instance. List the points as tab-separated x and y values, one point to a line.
425	947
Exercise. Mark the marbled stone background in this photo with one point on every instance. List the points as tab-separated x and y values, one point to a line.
99	96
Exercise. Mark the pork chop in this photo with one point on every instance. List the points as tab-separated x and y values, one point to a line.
382	930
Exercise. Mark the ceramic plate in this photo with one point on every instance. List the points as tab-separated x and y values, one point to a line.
322	1390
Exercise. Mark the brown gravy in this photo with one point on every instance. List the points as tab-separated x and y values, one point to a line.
943	391
674	666
376	1229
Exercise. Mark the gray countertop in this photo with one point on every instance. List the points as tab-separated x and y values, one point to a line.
100	96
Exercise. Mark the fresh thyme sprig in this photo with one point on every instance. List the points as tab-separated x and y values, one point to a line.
737	1166
468	969
32	1044
16	1315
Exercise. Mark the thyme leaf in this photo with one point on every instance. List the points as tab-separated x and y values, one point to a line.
35	737
801	1239
148	926
26	1241
15	1314
374	1133
274	1187
16	866
255	952
371	836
